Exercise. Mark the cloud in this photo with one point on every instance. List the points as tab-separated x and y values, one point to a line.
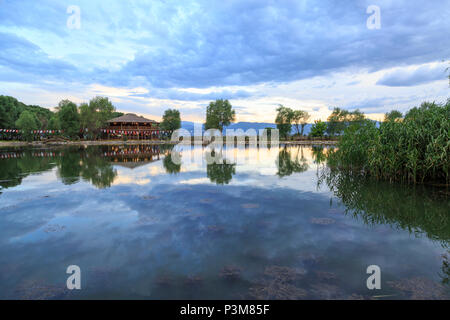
246	43
21	58
259	48
173	94
406	77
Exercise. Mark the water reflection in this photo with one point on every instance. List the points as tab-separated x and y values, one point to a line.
291	161
170	165
419	210
91	164
257	223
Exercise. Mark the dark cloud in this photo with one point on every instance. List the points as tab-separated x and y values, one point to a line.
407	78
219	43
249	42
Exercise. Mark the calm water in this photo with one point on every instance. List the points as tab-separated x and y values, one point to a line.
267	224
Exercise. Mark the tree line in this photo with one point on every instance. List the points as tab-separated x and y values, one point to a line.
76	121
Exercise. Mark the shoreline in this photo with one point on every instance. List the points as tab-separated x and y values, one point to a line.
134	142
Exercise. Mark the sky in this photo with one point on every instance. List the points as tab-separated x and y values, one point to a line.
148	56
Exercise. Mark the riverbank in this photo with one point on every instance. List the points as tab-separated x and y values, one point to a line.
134	142
81	143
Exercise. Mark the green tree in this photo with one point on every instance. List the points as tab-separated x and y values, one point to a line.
69	118
104	110
27	122
300	119
94	116
219	114
284	120
318	129
171	120
53	123
341	119
393	115
11	108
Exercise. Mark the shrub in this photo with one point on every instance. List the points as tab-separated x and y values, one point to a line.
415	149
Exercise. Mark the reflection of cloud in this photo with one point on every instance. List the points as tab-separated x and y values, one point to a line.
195	181
132	176
130	180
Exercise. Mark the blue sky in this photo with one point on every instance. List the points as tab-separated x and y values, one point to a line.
148	56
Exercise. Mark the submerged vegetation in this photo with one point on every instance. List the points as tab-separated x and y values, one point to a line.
413	149
417	209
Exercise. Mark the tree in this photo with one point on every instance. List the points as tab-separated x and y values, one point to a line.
393	115
104	110
69	118
318	129
219	114
300	118
27	122
171	120
11	109
94	116
341	119
87	118
284	120
53	123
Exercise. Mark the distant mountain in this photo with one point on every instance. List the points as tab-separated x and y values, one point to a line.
189	126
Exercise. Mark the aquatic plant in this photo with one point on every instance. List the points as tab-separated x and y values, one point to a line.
414	150
445	269
414	208
40	290
279	283
276	291
230	273
419	289
193	281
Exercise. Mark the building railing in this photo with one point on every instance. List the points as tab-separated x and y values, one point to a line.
147	128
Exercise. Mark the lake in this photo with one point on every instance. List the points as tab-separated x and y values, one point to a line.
261	224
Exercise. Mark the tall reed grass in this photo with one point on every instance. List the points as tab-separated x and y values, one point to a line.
413	149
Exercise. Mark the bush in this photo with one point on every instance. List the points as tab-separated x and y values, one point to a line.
415	149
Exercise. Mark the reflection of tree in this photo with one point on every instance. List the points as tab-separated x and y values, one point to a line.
72	164
417	210
287	166
70	167
98	171
446	269
318	154
13	170
169	165
87	164
220	173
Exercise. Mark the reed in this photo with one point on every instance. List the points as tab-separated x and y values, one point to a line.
414	149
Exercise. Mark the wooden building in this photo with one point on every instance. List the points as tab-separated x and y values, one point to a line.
133	127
